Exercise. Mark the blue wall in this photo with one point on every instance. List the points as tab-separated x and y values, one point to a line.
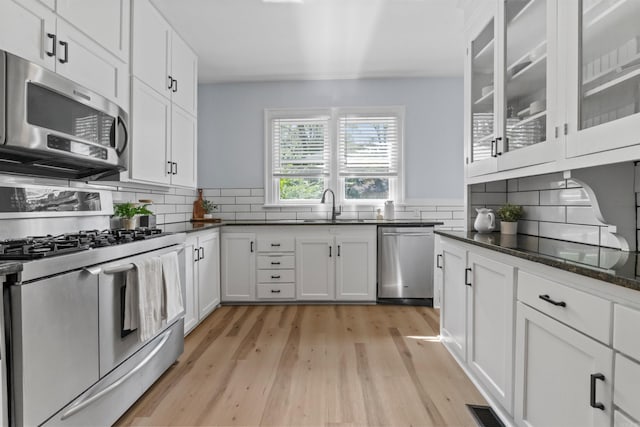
231	127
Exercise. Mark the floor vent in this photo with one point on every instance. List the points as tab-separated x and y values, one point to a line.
484	416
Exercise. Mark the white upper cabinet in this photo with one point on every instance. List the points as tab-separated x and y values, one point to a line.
162	59
28	30
603	68
163	63
511	87
549	82
183	148
106	22
151	47
184	72
86	44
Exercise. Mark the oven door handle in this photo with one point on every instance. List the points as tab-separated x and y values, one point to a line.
83	404
96	270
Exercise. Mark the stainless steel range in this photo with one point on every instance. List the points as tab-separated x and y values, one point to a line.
71	360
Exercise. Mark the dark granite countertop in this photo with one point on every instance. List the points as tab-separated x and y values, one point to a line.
189	227
606	264
10	267
394	223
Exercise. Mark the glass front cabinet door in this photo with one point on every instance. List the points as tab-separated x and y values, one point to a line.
603	63
513	88
482	100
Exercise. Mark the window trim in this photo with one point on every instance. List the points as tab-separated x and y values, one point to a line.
334	181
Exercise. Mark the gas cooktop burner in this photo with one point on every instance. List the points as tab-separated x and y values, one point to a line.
47	246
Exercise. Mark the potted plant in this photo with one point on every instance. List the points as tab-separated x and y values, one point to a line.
509	215
208	207
127	212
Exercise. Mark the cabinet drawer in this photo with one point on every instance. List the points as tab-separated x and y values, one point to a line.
275	262
276	291
625	330
276	276
584	312
276	244
625	385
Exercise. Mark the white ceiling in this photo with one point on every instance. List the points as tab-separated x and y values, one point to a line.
251	40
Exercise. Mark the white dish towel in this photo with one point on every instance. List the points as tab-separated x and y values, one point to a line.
172	302
143	298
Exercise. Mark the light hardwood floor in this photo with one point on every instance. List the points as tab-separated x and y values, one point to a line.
313	365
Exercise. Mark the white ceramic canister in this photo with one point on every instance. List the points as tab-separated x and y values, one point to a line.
389	210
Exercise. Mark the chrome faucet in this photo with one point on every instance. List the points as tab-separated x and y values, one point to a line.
334	213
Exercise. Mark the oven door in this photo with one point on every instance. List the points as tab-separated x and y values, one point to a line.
53	343
116	343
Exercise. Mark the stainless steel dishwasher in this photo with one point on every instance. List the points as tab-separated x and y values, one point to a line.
405	265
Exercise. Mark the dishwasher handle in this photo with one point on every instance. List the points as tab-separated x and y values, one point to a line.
408	234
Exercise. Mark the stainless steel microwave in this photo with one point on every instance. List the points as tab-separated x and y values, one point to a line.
50	126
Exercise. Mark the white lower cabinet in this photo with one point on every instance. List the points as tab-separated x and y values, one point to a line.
202	276
238	267
476	316
563	378
453	309
544	346
299	263
315	268
491	313
336	264
356	268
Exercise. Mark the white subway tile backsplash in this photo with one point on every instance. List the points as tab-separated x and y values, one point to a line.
249	200
222	200
366	215
571	232
406	215
249	216
458	215
235	208
186	192
235	192
273	216
437	215
582	215
528	227
211	192
512	185
524	198
312	215
477	188
228	216
450	208
257	192
542	182
567	197
162	209
488	198
545	213
496	186
170	199
176	217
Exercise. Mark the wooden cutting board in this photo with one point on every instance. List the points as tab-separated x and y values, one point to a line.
198	210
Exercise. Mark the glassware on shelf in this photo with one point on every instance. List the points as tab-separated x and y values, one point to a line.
483	92
610	61
525	73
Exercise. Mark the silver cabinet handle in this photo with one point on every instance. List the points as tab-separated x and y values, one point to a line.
83	404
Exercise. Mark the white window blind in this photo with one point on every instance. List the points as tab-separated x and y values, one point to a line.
368	145
300	146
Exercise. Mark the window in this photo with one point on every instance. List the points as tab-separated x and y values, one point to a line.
355	151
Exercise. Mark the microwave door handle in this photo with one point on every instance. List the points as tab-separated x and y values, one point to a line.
123	125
